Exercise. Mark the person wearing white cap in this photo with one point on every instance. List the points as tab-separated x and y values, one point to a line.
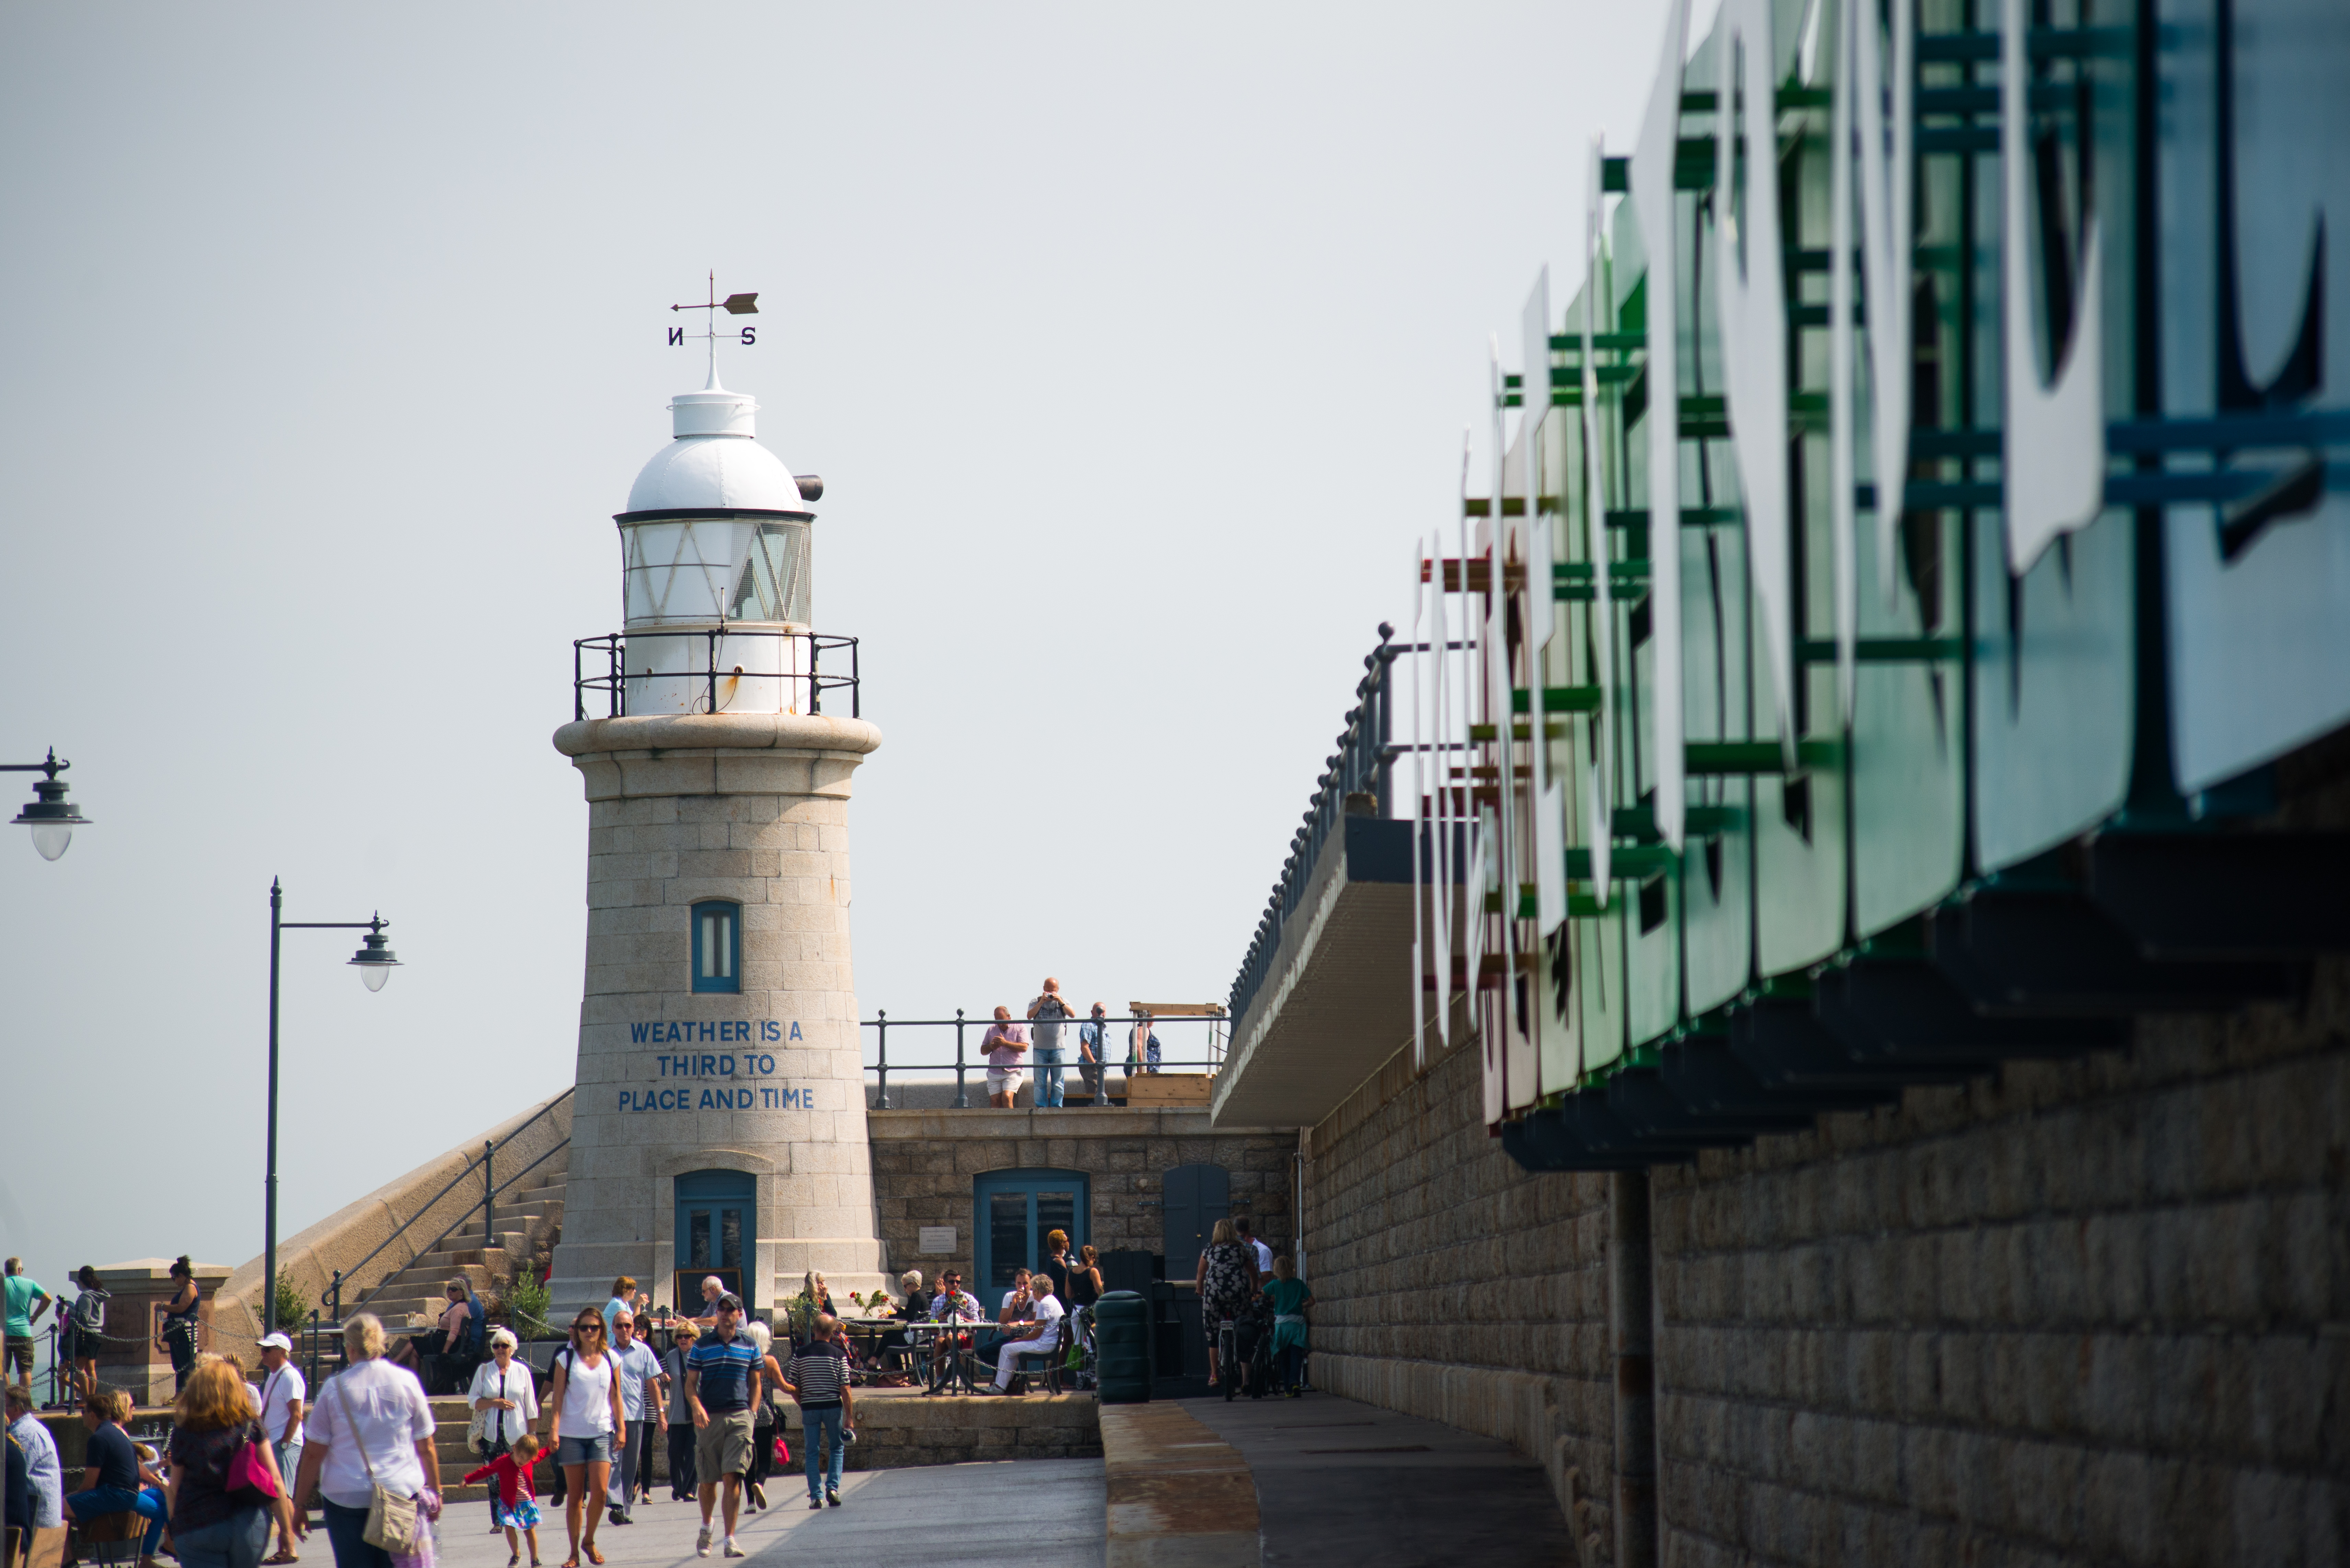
282	1393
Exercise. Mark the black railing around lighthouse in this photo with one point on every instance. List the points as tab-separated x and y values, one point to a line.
614	678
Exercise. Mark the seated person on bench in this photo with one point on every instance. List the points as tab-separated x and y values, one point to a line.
110	1484
952	1304
1044	1332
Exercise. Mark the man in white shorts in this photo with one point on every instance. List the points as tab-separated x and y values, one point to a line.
1004	1043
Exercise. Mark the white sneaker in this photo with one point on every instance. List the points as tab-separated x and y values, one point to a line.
733	1550
701	1542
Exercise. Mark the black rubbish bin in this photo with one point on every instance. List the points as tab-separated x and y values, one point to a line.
1122	1333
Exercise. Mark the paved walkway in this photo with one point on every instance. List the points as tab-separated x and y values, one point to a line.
1012	1513
1353	1484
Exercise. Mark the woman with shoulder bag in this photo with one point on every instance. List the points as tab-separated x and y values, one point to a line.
584	1396
504	1401
224	1491
367	1448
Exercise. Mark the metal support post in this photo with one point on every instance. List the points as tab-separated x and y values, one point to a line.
963	1096
882	1068
269	1191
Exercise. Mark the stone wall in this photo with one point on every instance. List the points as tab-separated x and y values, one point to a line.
895	1431
2095	1312
2090	1311
924	1162
1450	1283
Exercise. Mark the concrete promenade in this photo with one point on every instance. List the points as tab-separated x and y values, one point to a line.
1012	1513
1339	1481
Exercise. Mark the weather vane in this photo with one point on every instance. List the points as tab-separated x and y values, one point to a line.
733	304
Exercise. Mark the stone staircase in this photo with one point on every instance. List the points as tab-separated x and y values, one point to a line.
528	1215
450	1419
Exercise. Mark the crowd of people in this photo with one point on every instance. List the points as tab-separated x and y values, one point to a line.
247	1459
1010	1045
1244	1285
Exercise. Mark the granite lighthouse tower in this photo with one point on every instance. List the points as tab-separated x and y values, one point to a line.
719	1120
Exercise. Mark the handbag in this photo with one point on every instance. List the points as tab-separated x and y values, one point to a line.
393	1522
477	1433
783	1450
250	1476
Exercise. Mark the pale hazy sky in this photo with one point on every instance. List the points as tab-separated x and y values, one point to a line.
1134	344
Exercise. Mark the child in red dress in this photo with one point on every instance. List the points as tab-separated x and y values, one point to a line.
516	1506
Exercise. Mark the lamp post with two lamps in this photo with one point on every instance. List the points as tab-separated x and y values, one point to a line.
52	818
375	963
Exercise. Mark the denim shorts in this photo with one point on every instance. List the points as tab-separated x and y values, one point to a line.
597	1449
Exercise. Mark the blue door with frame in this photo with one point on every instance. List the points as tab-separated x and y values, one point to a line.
717	1229
1016	1210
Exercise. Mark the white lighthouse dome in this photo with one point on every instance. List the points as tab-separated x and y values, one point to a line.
716	535
713	464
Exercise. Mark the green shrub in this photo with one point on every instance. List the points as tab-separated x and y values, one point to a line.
293	1307
526	1303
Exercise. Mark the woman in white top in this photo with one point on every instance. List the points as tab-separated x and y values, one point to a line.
371	1426
504	1399
585	1400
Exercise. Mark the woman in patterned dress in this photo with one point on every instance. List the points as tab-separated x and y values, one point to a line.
1226	1280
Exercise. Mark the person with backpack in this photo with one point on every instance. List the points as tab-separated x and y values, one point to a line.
584	1391
86	1330
1048	1012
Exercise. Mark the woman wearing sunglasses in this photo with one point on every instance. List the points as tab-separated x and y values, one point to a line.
585	1400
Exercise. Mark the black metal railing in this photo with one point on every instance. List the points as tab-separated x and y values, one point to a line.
1361	765
1119	1038
718	686
487	1208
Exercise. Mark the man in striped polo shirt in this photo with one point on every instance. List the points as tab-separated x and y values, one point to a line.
818	1378
722	1389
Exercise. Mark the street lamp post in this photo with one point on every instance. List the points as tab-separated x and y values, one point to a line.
52	818
375	963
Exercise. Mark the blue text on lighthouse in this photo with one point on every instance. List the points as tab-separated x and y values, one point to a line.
721	1032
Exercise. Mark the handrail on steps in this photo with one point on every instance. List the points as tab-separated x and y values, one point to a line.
434	1245
487	1197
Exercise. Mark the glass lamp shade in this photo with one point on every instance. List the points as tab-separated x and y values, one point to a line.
52	818
374	961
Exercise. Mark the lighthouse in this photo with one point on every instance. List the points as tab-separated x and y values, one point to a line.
718	1123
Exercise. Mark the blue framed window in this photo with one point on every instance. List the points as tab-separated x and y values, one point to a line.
717	946
1016	1210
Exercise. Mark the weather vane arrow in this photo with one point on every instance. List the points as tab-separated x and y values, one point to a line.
733	304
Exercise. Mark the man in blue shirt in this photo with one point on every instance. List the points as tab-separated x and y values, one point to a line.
640	1372
1092	1041
722	1389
